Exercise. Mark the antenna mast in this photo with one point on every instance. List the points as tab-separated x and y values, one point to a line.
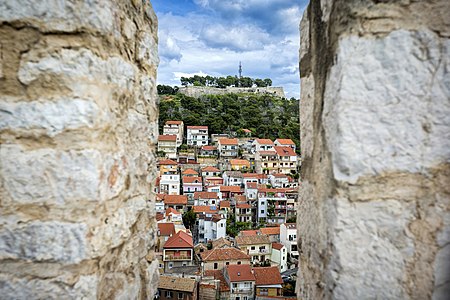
240	73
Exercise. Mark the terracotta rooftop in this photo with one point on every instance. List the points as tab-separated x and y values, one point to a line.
252	185
166	229
284	151
171	138
174	122
264	141
205	195
190	172
179	240
159	217
209	148
173	211
192	179
280	175
270	230
221	242
243	205
205	209
290	225
285	141
219	254
233	189
210	169
167	162
244	240
225	204
225	141
175	199
238	273
246	130
240	162
248	232
241	198
198	127
218	275
267	276
176	284
268	153
277	246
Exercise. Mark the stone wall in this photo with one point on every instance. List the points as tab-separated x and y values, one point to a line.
78	127
197	91
374	214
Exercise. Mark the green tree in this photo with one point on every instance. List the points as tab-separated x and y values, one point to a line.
189	219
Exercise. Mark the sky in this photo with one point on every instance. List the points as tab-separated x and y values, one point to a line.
211	37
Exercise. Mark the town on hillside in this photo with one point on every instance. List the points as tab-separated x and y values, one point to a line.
226	214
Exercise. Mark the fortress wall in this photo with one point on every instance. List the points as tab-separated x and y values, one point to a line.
78	127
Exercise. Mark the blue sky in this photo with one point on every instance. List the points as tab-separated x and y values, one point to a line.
210	37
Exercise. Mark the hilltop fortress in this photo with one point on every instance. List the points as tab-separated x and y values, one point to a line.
197	91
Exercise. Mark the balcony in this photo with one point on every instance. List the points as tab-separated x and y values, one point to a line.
242	290
176	258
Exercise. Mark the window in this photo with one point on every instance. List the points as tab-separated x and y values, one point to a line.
227	263
168	294
239	263
253	248
262	211
235	285
262	203
215	266
180	295
221	225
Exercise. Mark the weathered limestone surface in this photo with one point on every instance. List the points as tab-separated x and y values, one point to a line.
374	214
78	126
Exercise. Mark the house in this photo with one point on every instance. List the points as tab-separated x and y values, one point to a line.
169	184
243	212
262	145
178	202
197	136
272	232
225	207
191	185
216	136
279	180
175	128
278	256
165	231
228	148
206	198
189	173
222	243
171	287
173	216
209	226
233	178
251	190
168	145
213	181
210	172
239	164
287	160
167	166
272	206
266	162
219	258
288	237
285	143
268	282
257	246
241	281
178	251
208	151
159	203
229	192
217	276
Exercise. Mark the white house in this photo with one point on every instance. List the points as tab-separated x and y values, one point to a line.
210	227
279	256
285	143
241	281
169	184
272	206
174	128
262	145
233	178
288	237
206	198
168	145
228	148
197	136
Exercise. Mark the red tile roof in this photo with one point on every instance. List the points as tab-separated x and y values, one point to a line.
238	273
205	209
209	148
205	195
167	162
173	211
159	217
197	127
179	240
249	232
219	254
267	276
277	246
174	122
270	230
268	153
218	275
243	205
252	239
284	151
210	169
192	179
246	130
225	141
190	172
170	138
264	141
175	199
285	141
252	185
166	229
250	175
280	175
233	189
240	162
225	204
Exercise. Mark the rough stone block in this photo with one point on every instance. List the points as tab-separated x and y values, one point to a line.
50	176
44	241
54	15
377	105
